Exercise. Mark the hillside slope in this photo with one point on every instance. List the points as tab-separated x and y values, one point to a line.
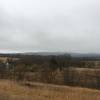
13	91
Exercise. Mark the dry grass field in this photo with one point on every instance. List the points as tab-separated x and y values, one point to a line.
10	90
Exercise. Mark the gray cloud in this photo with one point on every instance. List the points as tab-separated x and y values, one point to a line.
50	25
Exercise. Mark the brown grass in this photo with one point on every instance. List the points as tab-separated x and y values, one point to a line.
12	91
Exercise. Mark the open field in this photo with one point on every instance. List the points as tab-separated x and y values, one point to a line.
10	90
34	75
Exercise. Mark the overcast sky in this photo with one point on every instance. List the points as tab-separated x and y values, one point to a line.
50	25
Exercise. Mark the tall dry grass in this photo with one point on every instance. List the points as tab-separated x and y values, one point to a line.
12	91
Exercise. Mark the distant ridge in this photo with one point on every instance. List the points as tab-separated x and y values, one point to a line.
73	55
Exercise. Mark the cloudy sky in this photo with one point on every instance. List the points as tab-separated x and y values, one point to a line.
50	25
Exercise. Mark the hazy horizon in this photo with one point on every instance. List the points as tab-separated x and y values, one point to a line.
50	25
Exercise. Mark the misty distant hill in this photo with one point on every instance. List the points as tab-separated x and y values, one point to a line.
73	55
78	55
